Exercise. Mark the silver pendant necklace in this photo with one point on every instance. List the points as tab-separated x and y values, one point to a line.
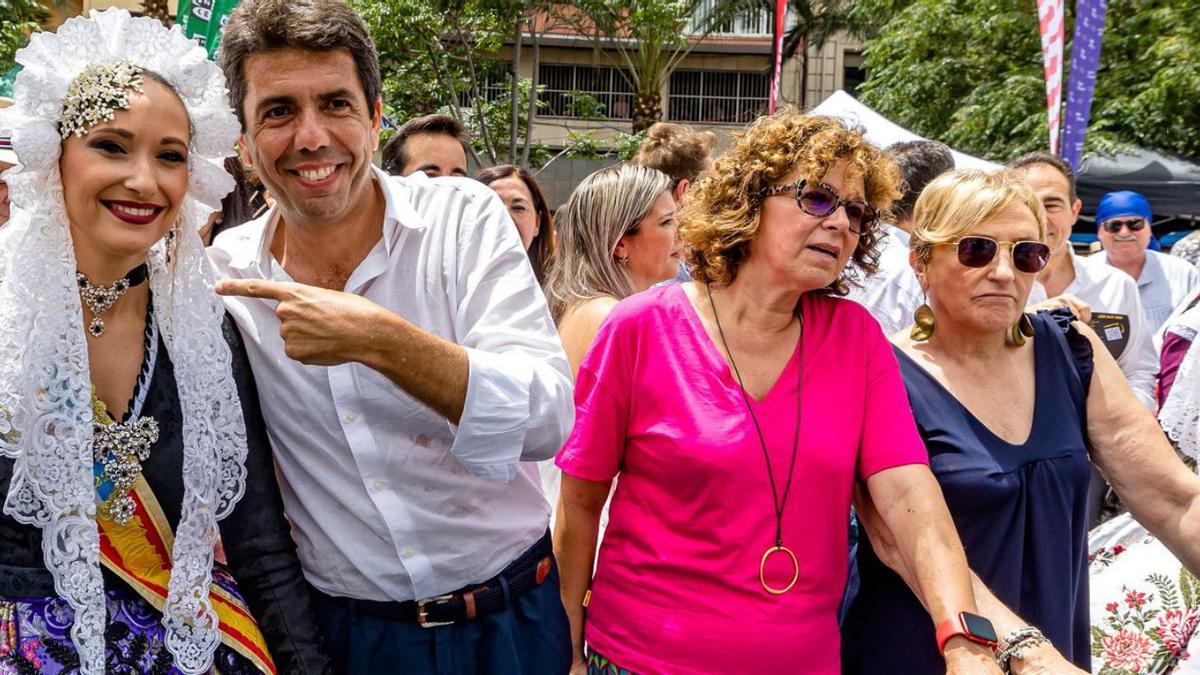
100	299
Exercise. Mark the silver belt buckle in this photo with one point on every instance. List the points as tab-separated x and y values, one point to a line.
422	613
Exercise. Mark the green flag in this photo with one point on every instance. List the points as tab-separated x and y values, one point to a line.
194	18
216	23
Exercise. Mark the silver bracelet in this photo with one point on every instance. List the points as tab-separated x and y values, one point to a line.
1014	644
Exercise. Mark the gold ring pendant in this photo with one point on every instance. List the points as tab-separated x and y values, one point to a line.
762	570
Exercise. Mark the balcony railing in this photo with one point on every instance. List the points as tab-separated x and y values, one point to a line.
747	23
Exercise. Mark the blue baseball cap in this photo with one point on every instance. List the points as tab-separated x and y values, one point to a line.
1123	203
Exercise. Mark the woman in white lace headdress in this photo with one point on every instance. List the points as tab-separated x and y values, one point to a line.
130	434
1145	605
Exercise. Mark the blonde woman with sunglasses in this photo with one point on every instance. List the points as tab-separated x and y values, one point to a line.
1014	409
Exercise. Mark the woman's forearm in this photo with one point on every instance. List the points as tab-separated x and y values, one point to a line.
931	556
925	539
575	537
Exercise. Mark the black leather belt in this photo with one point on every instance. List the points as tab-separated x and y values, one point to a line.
521	576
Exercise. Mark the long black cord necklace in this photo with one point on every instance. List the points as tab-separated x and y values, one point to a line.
778	503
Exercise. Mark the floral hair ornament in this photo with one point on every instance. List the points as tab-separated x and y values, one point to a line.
96	94
69	80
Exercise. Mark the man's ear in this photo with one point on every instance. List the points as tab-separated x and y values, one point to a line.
376	124
244	152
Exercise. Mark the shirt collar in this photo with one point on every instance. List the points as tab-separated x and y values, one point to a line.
255	250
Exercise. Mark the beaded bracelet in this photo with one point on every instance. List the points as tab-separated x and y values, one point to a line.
1016	641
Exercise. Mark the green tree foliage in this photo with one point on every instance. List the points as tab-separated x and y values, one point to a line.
18	18
442	56
969	73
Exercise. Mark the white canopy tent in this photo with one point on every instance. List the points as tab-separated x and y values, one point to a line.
883	132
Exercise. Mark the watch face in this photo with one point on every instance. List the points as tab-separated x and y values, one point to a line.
979	626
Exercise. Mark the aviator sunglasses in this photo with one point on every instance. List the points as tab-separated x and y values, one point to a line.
975	251
821	201
1114	226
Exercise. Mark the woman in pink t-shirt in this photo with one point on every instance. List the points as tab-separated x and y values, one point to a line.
740	410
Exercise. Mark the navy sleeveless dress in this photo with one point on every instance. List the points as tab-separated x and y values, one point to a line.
1021	511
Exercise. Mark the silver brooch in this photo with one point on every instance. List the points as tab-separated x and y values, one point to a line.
121	448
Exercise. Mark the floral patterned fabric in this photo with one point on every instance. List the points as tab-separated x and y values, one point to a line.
35	637
598	665
1145	606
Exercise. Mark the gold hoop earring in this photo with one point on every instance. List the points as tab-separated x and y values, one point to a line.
922	328
1020	330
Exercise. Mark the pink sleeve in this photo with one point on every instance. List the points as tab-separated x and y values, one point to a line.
889	435
602	388
1174	348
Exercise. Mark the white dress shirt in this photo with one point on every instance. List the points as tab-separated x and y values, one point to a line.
892	294
388	500
1165	283
1109	290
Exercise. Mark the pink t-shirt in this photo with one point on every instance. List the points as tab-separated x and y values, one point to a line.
676	588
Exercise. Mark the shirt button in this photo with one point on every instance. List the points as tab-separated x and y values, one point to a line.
377	485
351	417
409	552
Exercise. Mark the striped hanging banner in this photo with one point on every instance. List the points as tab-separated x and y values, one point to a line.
1050	22
777	74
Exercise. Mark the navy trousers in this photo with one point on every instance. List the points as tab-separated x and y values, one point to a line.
530	636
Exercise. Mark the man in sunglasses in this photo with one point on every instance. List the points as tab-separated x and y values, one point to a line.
1115	308
1164	282
893	294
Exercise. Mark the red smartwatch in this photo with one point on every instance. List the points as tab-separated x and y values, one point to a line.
971	626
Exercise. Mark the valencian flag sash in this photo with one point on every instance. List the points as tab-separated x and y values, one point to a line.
139	552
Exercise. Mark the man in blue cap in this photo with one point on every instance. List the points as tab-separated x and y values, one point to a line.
1164	282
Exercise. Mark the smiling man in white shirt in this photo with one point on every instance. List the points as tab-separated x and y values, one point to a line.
406	364
1112	296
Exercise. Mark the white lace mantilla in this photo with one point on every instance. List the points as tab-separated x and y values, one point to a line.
45	382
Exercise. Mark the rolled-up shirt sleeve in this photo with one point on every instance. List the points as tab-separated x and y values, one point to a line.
518	405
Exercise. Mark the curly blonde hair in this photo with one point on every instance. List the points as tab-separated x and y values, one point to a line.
720	215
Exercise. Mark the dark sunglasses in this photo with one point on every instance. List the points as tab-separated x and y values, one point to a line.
821	201
1027	256
1114	225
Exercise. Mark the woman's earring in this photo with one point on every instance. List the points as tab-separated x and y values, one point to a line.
171	241
1020	330
922	328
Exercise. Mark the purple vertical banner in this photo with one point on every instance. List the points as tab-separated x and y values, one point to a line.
1085	59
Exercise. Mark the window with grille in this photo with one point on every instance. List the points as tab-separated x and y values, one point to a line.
717	96
494	80
573	91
